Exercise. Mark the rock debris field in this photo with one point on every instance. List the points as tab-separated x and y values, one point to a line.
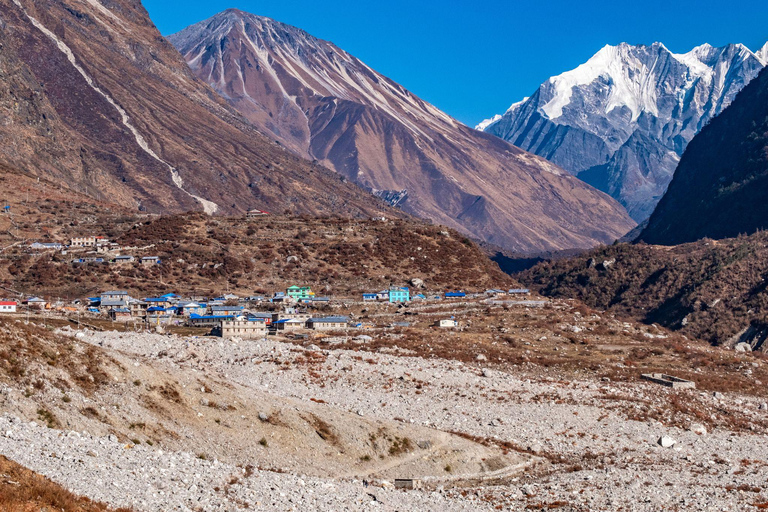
582	444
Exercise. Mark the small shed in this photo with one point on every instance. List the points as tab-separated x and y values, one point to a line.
120	314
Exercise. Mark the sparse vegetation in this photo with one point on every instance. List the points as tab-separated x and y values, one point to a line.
210	255
22	490
710	290
48	418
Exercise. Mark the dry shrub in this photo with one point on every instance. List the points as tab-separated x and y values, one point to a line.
21	490
324	430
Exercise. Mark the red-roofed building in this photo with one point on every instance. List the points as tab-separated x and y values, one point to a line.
8	307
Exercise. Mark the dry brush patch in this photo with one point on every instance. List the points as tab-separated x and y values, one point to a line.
30	355
22	490
707	290
209	255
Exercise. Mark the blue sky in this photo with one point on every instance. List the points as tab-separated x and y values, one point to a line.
473	59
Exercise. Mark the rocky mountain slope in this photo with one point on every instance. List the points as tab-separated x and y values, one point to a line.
328	106
720	186
336	255
622	120
93	97
710	290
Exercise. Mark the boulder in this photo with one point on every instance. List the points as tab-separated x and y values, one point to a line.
605	265
742	347
417	283
666	442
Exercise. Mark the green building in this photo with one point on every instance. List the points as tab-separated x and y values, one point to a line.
300	292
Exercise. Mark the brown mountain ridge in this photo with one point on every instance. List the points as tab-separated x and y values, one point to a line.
92	96
326	105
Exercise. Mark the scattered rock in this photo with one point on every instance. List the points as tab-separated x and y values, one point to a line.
666	442
480	357
698	428
535	448
263	416
417	283
605	265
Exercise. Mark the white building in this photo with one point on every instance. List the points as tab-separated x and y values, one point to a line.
8	307
243	328
447	323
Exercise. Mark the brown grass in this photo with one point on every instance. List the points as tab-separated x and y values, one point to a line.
324	430
22	490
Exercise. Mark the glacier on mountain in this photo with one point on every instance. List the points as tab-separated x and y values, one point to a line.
622	120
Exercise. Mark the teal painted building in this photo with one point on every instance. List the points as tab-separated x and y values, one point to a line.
399	295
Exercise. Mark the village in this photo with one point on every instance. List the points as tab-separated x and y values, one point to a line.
294	311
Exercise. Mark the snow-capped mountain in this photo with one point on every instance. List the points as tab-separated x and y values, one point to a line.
326	105
621	120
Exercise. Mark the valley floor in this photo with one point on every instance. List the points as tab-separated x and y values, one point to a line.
276	425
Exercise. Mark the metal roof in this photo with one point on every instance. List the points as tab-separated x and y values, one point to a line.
330	319
114	303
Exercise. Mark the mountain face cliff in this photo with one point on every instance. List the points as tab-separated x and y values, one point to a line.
621	121
328	106
720	187
94	98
